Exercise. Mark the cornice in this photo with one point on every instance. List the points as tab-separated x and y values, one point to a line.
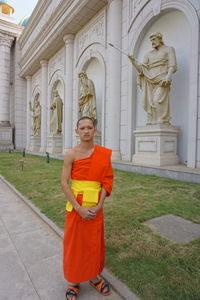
67	19
10	28
34	19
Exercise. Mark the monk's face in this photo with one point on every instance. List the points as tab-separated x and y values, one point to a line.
86	130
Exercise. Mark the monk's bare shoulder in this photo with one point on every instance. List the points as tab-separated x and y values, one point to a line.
70	155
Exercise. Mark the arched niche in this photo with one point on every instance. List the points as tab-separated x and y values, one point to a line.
94	71
179	24
92	62
172	25
56	83
36	96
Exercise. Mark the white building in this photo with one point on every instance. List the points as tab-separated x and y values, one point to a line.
63	38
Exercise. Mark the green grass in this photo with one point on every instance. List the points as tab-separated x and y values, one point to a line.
153	267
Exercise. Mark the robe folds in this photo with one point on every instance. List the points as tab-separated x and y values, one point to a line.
83	244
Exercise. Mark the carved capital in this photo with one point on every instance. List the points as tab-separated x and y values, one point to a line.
28	78
6	40
44	62
68	38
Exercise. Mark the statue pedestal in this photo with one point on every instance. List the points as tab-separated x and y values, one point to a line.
156	145
35	143
97	138
55	143
6	138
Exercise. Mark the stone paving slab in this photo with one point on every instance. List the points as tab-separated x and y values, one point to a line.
175	228
31	256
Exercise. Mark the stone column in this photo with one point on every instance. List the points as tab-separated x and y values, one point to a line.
28	113
43	103
6	132
5	45
68	103
114	78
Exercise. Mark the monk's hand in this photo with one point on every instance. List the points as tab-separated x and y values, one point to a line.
95	209
86	213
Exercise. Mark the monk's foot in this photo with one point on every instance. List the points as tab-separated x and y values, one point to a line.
101	286
72	292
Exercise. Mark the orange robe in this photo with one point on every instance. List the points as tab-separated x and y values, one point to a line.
83	245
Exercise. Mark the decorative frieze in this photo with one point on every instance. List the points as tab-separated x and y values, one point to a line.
94	32
36	80
57	63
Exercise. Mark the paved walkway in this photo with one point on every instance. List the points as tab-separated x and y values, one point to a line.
31	255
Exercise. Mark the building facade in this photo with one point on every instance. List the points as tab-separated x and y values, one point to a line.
63	38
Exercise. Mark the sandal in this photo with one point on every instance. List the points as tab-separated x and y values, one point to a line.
100	286
72	291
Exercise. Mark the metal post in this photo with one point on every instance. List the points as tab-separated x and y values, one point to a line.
47	157
22	164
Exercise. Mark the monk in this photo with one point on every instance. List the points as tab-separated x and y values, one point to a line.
88	166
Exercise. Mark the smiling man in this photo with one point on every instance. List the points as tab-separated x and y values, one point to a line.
90	170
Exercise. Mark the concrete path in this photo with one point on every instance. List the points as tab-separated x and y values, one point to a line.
31	255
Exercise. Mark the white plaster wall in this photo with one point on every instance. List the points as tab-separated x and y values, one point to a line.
18	101
95	72
176	32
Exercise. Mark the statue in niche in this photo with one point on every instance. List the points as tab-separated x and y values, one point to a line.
57	114
155	76
87	97
36	116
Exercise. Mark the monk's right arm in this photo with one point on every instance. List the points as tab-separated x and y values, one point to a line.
84	212
66	173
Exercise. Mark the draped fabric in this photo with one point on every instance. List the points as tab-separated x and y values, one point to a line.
83	251
155	96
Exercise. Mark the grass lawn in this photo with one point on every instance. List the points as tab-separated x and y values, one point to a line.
153	267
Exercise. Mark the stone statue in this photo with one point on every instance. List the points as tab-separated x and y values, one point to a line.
87	97
155	76
57	114
36	109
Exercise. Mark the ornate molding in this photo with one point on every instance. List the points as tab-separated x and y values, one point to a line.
136	7
157	7
36	80
57	63
6	40
94	32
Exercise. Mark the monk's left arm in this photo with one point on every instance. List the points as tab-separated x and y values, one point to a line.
106	188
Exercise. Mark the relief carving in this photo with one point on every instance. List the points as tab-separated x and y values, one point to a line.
56	63
137	6
95	32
